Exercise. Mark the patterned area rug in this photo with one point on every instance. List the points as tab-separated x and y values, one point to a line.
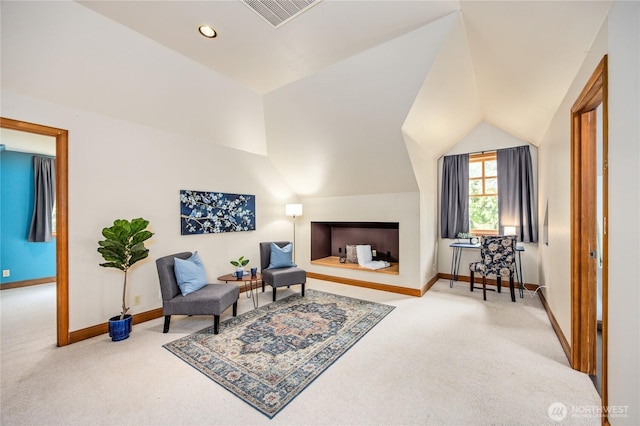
269	355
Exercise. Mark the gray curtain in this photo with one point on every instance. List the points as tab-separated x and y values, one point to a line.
516	199
454	198
44	177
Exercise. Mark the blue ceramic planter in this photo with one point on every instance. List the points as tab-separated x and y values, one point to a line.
119	329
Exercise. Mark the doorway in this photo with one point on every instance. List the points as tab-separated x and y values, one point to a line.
589	236
62	236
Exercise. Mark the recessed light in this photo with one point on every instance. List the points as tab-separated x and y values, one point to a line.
207	31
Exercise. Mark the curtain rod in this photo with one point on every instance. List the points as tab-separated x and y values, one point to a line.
482	152
486	151
471	153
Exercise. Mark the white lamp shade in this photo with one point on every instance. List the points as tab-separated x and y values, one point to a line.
293	210
509	230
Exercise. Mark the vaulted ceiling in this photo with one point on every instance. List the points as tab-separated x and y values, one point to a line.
336	97
506	63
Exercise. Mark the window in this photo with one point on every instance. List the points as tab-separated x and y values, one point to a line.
483	193
53	219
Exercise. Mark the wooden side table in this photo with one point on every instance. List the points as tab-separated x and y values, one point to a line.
248	282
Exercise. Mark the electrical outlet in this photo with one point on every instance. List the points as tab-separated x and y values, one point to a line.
137	299
6	272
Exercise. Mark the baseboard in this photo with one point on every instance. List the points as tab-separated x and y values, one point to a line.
27	283
556	327
430	283
97	330
367	284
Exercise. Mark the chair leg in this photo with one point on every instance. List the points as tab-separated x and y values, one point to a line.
302	290
274	294
511	287
471	282
484	287
263	286
216	324
167	320
499	281
235	308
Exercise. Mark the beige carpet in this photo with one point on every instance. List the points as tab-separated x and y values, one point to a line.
446	358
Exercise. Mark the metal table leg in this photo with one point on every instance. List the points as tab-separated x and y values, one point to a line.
519	275
250	291
455	265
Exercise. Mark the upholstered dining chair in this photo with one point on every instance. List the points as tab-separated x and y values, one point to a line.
201	299
277	267
498	255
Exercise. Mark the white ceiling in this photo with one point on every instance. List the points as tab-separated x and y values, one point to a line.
506	63
250	51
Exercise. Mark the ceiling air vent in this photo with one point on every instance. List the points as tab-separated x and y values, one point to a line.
277	12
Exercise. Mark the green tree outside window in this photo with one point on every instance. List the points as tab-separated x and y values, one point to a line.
483	193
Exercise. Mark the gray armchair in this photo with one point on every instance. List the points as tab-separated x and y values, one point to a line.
279	277
212	299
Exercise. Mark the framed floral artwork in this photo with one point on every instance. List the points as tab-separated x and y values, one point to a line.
214	212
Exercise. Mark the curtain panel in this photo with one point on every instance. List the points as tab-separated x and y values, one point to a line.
44	177
454	197
516	199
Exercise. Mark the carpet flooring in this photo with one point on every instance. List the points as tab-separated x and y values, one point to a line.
447	358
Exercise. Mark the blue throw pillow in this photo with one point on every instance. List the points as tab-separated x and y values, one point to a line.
190	274
281	256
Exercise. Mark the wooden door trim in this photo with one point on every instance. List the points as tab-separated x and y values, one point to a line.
583	313
62	208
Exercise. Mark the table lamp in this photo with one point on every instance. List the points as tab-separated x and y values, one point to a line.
509	230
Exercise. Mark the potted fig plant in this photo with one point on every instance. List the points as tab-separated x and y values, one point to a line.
122	247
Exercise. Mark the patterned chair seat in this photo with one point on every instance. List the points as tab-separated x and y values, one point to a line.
498	259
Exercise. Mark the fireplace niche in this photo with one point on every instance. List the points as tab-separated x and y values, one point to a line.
329	241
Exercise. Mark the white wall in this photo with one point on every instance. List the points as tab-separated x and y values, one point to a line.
338	132
624	209
337	137
424	163
83	60
447	107
485	137
618	38
123	170
403	208
144	122
555	193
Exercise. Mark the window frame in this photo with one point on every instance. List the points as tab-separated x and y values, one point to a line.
483	157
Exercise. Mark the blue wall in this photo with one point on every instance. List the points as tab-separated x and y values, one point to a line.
25	260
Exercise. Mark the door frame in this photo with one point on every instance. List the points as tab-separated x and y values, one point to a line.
62	210
583	295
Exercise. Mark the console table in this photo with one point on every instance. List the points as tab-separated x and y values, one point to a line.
248	282
457	254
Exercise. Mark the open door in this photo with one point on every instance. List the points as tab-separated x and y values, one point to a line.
589	213
62	236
